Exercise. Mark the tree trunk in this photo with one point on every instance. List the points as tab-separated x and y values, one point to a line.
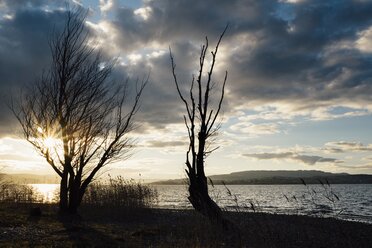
204	204
201	200
73	198
75	195
63	193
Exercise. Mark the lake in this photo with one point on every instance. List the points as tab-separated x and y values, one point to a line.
344	201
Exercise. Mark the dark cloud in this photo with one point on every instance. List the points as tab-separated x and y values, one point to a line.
271	57
306	159
16	4
169	21
24	53
303	54
301	59
162	144
311	160
346	146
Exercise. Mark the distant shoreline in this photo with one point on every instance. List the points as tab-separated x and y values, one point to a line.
220	184
280	177
232	183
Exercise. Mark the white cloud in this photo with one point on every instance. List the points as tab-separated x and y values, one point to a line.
364	42
105	37
134	58
18	156
254	130
143	13
156	54
106	5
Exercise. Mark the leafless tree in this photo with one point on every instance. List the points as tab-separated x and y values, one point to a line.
200	120
75	116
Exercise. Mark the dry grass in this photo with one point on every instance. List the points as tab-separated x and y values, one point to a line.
15	194
117	193
120	193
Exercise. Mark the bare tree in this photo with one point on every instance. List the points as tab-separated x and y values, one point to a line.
200	121
75	116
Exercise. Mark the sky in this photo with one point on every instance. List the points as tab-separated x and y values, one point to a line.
298	93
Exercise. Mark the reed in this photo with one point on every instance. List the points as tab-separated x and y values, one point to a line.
324	200
120	193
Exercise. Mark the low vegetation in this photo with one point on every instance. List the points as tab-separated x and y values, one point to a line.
322	198
116	194
120	193
17	193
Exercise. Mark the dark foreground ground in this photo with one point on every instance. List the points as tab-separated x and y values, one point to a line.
172	228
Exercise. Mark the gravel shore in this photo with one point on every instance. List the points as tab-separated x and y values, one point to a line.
173	228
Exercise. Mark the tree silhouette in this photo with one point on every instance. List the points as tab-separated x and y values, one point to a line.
200	121
75	116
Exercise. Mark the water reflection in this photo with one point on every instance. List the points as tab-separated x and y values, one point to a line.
46	192
353	204
354	200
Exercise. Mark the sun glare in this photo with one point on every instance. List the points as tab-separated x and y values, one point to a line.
47	139
46	191
51	143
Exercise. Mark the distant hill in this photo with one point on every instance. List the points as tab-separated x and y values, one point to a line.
28	178
282	177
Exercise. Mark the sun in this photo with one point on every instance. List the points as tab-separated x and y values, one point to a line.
51	143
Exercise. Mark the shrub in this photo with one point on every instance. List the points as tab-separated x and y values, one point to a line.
17	193
120	193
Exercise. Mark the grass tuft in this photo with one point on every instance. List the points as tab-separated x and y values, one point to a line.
120	193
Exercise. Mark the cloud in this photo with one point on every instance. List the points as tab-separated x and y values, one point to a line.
306	159
364	41
356	167
162	144
312	68
311	160
106	5
298	58
23	54
346	146
254	130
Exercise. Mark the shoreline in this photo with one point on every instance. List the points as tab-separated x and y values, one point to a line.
154	227
244	210
293	207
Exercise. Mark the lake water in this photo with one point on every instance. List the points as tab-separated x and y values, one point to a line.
344	201
46	192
